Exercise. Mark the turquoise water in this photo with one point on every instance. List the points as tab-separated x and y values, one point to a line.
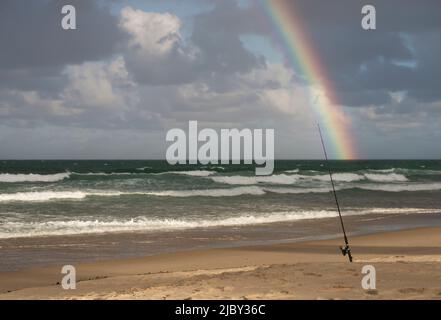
43	198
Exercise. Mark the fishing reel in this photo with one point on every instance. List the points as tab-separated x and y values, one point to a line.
346	251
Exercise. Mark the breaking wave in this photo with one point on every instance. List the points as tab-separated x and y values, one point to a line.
40	196
32	177
402	187
233	192
193	173
340	177
392	177
250	180
49	228
291	179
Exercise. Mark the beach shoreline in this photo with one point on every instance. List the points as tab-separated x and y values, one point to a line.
73	249
299	270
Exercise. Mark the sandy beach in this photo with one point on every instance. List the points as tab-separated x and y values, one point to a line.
407	263
220	150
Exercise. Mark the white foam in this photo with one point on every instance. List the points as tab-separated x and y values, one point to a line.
387	187
218	167
298	190
251	180
233	192
402	187
47	228
235	180
292	179
392	177
106	173
352	177
422	171
29	229
194	173
285	179
39	196
340	177
32	177
383	170
292	171
402	210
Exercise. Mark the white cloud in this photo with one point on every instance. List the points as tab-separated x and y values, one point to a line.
151	33
156	54
89	85
278	91
98	84
262	97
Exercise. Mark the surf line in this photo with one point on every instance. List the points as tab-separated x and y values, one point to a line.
346	250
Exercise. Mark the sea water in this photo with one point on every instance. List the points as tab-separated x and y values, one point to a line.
110	197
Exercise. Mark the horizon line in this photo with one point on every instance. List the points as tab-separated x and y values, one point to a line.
157	159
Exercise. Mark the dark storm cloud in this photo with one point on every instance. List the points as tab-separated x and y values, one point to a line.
400	55
223	51
209	73
47	80
35	49
31	33
363	66
171	69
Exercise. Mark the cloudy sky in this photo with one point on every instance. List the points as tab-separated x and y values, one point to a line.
134	69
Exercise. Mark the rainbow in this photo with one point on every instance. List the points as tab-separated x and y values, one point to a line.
300	52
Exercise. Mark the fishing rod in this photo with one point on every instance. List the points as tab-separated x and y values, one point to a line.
346	250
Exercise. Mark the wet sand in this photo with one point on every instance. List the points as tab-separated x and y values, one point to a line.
24	253
408	266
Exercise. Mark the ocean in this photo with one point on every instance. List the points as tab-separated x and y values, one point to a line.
159	207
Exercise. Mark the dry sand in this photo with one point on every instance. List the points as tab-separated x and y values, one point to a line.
408	266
